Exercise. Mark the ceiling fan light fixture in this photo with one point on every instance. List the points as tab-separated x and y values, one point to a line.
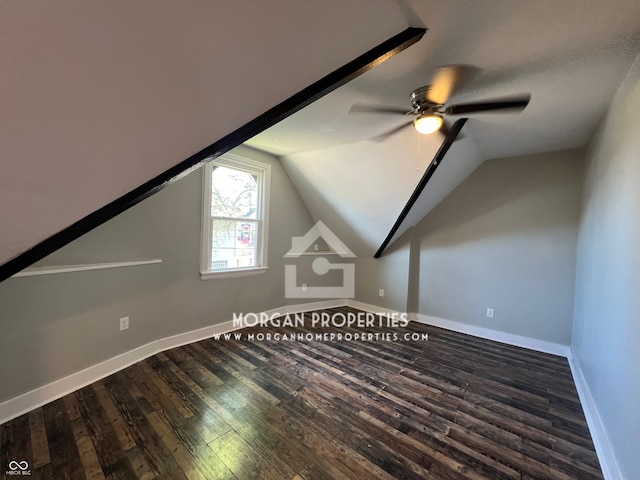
428	123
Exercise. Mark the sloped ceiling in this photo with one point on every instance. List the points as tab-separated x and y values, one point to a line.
98	97
570	55
357	188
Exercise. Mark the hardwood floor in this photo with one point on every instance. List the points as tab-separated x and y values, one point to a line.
452	407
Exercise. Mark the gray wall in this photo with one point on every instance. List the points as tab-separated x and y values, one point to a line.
55	325
390	272
606	327
505	238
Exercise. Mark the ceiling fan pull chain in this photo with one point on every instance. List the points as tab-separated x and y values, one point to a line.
419	156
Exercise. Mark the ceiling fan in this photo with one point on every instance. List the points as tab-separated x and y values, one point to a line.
429	104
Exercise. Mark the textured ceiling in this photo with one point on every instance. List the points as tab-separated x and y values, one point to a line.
98	97
570	55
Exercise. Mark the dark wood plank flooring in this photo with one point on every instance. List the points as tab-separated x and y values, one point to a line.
452	407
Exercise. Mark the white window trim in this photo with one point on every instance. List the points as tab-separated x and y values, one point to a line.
261	169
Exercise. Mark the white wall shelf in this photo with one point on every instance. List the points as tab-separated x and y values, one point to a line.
50	270
309	254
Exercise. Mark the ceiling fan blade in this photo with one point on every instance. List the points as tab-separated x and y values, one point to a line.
360	108
512	104
444	83
382	137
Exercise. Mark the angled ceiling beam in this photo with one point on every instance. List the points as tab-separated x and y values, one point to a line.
452	134
325	85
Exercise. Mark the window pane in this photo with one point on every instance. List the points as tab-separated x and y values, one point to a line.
234	193
234	244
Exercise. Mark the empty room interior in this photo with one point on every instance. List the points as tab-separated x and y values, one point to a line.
320	240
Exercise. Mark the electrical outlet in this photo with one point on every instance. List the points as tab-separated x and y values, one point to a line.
304	287
381	292
316	247
124	323
490	312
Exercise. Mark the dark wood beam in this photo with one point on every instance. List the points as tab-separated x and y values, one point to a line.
325	85
452	134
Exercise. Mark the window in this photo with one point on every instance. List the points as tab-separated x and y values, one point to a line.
235	217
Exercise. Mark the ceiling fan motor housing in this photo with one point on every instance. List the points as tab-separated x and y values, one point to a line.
421	102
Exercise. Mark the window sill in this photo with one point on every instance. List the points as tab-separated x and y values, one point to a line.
233	273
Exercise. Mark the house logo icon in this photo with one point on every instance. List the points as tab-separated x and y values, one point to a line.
321	266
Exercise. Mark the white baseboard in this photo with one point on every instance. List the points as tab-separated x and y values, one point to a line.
608	462
47	393
35	398
367	307
489	334
309	307
28	401
496	335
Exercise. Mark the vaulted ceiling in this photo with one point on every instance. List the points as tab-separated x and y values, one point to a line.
98	97
571	56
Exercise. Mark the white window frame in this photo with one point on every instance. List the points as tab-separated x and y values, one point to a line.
263	172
